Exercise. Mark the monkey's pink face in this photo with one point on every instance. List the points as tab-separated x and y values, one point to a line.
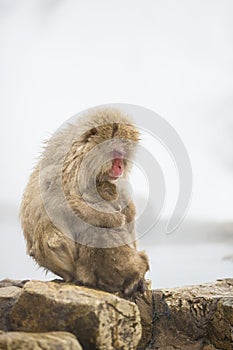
117	169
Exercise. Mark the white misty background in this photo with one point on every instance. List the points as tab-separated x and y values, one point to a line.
174	57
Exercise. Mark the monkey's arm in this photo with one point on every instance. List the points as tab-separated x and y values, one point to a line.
93	216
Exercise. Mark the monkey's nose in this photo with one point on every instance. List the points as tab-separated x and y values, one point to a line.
117	167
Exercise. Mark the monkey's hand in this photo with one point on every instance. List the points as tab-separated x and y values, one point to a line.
107	191
104	219
129	211
112	220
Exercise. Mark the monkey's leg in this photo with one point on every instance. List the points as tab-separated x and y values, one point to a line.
85	269
135	276
55	251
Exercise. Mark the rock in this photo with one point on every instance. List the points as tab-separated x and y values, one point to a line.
8	296
209	347
16	283
190	318
99	320
194	317
145	305
38	341
221	326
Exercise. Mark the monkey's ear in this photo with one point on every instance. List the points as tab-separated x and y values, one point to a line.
89	134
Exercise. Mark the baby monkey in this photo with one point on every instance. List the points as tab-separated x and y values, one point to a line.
76	213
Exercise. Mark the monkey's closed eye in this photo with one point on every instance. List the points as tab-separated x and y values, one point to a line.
89	134
114	129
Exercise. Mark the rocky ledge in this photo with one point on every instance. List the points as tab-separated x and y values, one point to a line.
54	315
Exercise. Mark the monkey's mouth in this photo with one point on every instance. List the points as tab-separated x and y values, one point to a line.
113	176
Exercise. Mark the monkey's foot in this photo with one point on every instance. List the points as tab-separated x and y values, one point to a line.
134	288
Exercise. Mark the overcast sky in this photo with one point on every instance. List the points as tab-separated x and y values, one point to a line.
174	57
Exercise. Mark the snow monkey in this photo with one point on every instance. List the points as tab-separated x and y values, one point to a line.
77	215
